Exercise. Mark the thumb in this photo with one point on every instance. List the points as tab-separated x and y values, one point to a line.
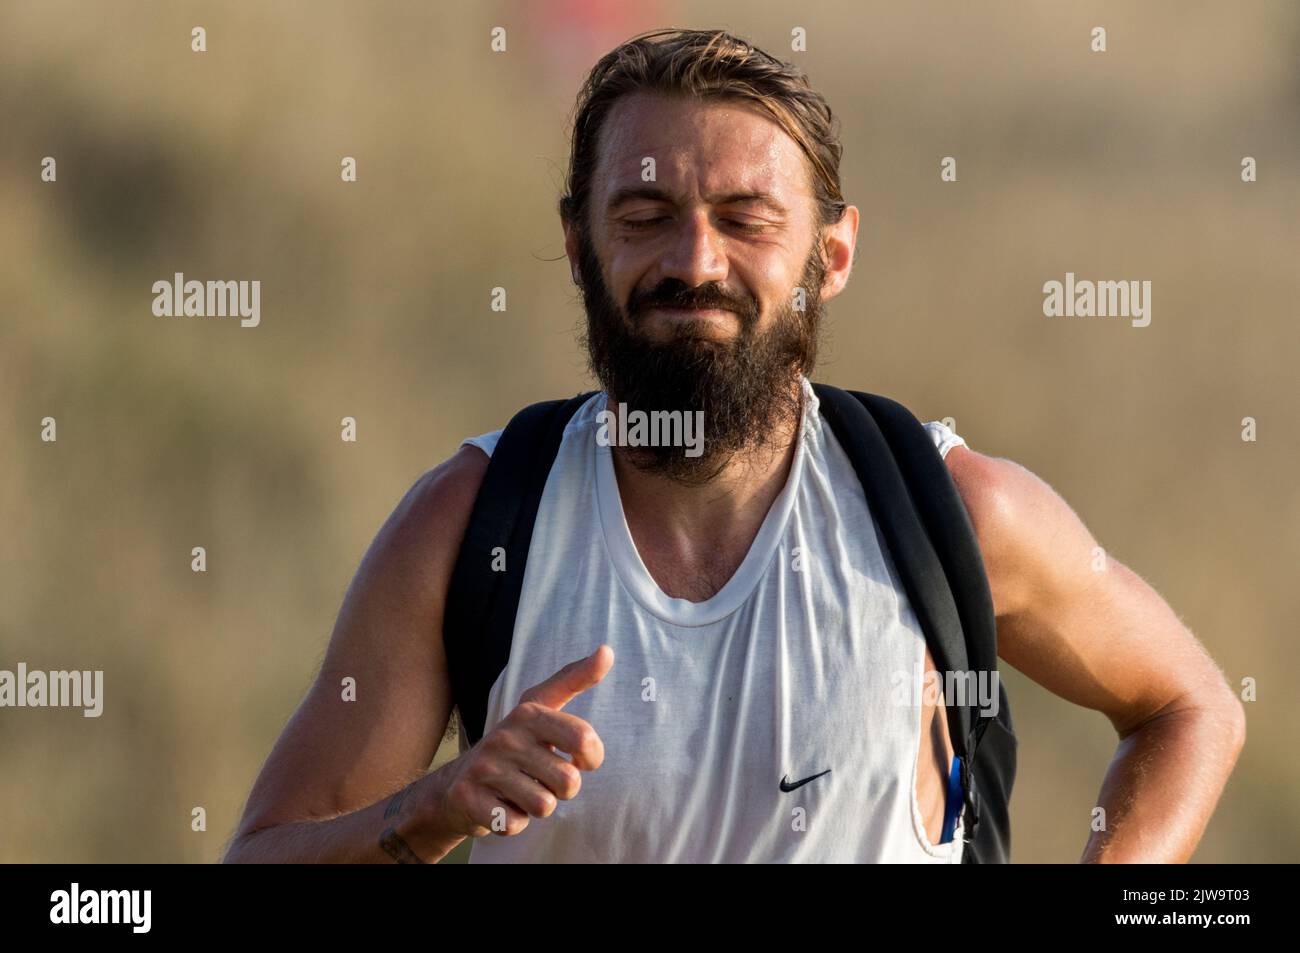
572	680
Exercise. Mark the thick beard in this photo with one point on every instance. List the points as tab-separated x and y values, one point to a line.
747	388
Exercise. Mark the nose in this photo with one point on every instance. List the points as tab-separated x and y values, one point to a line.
696	253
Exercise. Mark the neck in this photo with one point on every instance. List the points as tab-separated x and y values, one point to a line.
714	520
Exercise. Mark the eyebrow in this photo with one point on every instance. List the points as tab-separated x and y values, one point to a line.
654	194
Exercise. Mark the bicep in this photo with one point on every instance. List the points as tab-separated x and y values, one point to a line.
1070	616
378	707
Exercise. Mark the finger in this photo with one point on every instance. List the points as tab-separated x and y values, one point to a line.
572	680
568	733
522	792
561	778
492	815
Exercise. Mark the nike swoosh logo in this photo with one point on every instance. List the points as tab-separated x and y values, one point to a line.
788	786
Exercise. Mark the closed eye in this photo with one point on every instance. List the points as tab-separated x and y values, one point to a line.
651	222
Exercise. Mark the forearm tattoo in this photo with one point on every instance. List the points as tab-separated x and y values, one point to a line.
396	848
391	841
395	802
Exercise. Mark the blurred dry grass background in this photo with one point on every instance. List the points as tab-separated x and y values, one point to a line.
182	432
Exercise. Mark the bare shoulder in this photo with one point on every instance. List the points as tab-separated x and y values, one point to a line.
411	559
1027	533
429	522
1070	615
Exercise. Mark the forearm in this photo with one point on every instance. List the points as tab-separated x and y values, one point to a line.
380	833
1163	785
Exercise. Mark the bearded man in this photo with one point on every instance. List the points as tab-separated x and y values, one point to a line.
704	642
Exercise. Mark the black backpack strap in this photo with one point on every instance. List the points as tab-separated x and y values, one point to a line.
929	534
919	567
947	523
989	772
479	618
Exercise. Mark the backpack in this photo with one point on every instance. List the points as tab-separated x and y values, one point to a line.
924	524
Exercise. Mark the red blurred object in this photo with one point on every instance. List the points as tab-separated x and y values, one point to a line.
574	34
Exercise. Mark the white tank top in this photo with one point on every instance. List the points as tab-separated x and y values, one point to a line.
809	660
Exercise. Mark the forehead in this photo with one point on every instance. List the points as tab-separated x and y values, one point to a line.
710	147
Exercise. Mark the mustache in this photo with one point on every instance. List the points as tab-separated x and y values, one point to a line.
676	294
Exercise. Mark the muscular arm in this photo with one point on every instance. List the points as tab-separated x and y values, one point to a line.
1107	641
327	789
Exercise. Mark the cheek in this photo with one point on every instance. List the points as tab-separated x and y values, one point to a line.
768	269
774	289
625	269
